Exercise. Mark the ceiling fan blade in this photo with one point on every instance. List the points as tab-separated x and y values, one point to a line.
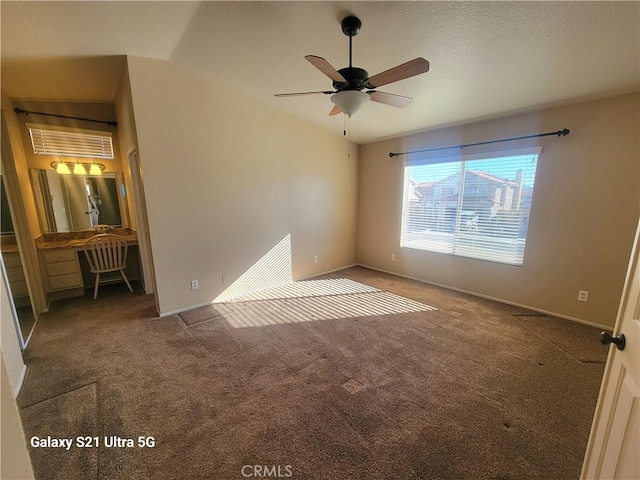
414	67
326	68
335	111
298	94
392	99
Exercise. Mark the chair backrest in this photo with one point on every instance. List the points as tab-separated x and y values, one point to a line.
106	252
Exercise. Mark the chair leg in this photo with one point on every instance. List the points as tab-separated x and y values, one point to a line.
95	290
126	280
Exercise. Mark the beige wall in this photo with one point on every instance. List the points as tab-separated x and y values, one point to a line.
585	208
227	178
14	457
11	353
15	463
128	144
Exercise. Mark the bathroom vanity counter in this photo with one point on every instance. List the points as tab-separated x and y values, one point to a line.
64	268
8	244
76	240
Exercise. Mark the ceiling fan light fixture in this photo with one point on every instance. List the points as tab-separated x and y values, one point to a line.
350	101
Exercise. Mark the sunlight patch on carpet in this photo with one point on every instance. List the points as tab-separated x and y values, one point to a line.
309	288
312	308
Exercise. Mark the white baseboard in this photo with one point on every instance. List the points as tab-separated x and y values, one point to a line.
448	287
192	307
488	297
185	309
328	271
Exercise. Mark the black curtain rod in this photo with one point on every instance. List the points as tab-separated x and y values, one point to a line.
559	133
27	112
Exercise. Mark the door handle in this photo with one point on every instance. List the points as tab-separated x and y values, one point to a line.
619	340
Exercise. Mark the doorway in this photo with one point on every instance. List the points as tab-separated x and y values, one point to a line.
141	223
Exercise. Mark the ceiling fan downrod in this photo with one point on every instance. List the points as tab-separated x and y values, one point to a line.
351	27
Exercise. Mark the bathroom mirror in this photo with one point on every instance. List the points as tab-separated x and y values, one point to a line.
10	257
5	214
68	203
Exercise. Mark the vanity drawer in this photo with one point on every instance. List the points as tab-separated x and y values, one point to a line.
62	268
59	256
11	260
15	274
62	282
19	289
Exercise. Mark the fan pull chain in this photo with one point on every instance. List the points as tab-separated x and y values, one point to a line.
344	133
349	139
346	127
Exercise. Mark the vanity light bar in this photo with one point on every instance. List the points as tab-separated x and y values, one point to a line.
68	168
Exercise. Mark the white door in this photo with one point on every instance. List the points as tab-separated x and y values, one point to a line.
613	451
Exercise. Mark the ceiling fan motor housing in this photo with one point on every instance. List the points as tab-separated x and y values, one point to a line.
356	79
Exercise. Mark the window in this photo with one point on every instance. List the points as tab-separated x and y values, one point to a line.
70	143
476	207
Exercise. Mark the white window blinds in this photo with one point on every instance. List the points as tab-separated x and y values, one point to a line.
476	208
68	143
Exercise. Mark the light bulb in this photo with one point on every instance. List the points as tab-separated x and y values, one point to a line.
63	169
78	169
95	169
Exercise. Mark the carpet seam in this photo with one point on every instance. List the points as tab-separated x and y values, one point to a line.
552	342
60	394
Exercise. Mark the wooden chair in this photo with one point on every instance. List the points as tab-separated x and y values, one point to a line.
106	252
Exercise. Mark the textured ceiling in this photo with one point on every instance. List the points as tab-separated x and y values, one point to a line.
487	58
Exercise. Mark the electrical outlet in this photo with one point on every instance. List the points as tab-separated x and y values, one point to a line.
393	257
315	259
224	278
194	284
583	296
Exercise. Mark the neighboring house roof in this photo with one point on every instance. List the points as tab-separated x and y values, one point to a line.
491	177
483	200
478	173
424	189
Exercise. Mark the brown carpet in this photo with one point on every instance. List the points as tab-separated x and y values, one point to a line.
572	337
411	382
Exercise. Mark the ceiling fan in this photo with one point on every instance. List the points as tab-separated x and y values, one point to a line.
349	82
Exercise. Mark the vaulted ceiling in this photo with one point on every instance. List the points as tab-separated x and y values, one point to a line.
487	58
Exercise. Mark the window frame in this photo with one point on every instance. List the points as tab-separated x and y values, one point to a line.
463	159
98	143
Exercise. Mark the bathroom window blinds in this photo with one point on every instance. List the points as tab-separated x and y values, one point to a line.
473	207
71	143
